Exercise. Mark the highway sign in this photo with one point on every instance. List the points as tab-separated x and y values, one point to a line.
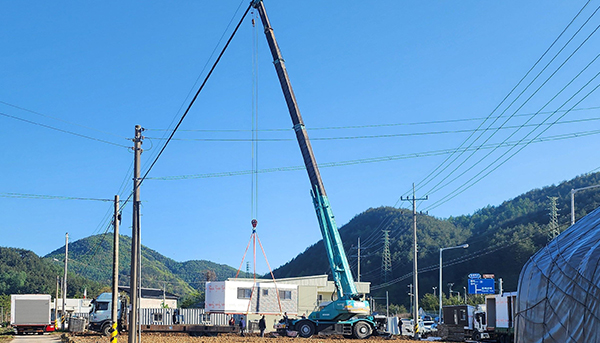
482	286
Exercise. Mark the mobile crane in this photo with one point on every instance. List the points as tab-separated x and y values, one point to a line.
348	315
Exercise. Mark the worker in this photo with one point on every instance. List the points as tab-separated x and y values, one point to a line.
285	318
242	326
262	325
231	321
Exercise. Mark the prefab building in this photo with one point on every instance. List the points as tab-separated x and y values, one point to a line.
244	296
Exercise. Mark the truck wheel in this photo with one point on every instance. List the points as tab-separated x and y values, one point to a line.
305	328
476	336
362	330
106	329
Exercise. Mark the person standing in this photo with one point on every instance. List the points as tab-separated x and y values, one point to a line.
242	325
262	325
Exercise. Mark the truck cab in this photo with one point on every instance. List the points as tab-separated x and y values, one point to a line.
100	314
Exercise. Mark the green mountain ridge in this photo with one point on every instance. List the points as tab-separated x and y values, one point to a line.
91	257
501	239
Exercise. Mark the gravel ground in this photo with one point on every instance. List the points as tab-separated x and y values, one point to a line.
184	338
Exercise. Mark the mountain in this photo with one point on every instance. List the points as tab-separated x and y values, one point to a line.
24	272
501	239
91	257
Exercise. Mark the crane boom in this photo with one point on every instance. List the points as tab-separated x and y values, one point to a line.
338	261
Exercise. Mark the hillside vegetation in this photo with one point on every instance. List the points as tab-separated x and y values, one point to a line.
91	257
501	239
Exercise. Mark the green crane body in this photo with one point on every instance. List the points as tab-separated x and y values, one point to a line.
342	312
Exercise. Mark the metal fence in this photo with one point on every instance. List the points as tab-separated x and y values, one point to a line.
168	316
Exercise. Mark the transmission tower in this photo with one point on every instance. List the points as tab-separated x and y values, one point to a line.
386	258
553	228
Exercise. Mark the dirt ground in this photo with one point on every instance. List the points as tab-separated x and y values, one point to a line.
228	338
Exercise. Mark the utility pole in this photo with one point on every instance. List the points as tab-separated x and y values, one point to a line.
56	304
411	294
64	295
417	333
358	271
465	291
135	237
386	258
387	303
434	292
115	285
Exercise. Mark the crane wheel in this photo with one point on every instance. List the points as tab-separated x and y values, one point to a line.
362	330
305	328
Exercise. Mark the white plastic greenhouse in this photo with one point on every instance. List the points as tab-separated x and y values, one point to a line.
559	288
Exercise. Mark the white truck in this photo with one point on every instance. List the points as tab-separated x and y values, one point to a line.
493	320
30	313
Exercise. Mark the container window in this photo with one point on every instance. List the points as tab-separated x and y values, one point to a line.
244	293
285	295
157	317
265	292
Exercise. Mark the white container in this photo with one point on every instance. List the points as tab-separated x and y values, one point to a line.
243	296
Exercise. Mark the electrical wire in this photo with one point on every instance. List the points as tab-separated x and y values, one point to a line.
62	130
457	191
437	186
431	122
376	159
48	197
394	135
445	165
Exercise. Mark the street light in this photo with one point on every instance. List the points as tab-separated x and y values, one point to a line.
573	191
464	246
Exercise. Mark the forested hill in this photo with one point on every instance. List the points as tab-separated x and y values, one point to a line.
24	272
501	239
91	257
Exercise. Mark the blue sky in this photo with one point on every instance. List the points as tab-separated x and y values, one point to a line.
99	68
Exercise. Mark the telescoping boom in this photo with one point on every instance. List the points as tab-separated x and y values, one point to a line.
341	313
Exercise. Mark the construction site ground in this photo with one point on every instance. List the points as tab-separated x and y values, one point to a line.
227	338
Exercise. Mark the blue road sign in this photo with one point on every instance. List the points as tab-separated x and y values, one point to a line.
482	286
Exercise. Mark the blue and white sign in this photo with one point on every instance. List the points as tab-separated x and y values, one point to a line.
474	276
482	286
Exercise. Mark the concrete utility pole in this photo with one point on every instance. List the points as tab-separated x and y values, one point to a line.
358	272
417	333
464	246
573	191
115	285
56	304
411	295
64	295
135	237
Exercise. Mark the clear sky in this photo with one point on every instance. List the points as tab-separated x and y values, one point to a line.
97	69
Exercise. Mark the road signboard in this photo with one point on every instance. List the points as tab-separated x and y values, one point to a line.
482	286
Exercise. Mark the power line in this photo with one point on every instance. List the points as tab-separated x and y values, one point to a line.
458	191
393	135
49	197
63	131
365	126
59	119
443	165
377	159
